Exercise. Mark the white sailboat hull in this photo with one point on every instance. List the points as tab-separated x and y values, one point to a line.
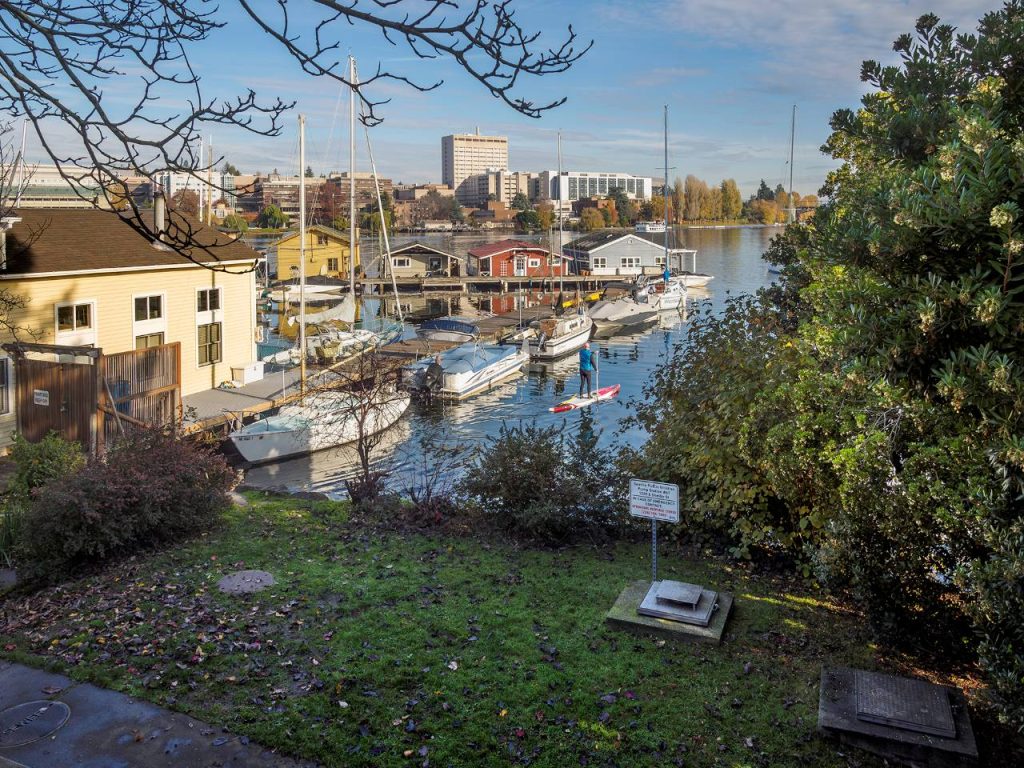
574	332
324	420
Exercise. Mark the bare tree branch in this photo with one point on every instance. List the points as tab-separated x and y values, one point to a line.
58	58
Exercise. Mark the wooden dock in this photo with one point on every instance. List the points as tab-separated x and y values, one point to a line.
220	410
478	284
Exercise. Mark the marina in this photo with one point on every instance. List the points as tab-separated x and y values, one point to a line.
732	255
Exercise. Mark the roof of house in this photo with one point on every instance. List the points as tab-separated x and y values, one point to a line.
503	246
418	247
603	237
54	240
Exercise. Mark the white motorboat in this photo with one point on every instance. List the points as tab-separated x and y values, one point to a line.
322	420
466	370
556	336
670	299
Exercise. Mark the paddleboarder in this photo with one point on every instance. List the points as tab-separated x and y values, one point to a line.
588	365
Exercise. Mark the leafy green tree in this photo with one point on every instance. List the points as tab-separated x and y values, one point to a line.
272	217
591	219
309	172
878	441
230	169
528	220
625	209
455	213
235	223
521	202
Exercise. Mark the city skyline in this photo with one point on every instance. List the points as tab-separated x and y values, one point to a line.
729	74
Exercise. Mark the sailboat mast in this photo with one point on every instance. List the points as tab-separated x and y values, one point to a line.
21	165
561	263
302	254
352	175
665	190
383	226
791	211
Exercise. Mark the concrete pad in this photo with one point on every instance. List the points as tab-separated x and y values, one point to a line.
110	730
19	684
838	715
623	615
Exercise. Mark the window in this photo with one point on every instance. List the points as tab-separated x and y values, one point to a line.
147	340
630	261
5	385
332	265
600	262
660	260
209	344
534	263
207	299
74	317
148	308
321	239
402	261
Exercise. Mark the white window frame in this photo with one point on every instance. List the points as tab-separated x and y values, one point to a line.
534	263
154	325
629	262
337	263
401	262
210	315
600	262
84	337
660	260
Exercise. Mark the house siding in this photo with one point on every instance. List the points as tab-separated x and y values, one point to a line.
316	256
114	296
627	248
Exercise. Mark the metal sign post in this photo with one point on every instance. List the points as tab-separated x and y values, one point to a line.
654	501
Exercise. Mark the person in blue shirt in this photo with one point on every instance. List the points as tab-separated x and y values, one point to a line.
588	364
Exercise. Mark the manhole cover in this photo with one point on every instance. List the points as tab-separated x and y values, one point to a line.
35	720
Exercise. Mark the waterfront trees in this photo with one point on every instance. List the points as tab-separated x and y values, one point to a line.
866	417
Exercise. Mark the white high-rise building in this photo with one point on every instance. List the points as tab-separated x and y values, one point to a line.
467	155
581	185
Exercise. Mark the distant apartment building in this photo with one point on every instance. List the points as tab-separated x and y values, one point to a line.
410	192
502	186
571	186
43	186
464	156
174	184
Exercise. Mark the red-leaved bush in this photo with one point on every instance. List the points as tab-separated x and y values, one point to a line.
149	489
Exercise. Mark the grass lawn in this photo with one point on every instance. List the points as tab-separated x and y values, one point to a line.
384	648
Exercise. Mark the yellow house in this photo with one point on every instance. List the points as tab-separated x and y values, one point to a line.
327	253
86	278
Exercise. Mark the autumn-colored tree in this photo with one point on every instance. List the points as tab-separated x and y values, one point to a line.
545	215
591	219
185	201
711	204
732	202
695	190
678	200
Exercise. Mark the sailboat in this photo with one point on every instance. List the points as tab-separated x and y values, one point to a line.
323	419
553	337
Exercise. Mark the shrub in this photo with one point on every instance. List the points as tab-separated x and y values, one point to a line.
149	489
35	465
537	484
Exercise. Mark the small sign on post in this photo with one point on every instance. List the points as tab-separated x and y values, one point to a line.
654	501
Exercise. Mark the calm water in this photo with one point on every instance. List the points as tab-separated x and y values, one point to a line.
731	255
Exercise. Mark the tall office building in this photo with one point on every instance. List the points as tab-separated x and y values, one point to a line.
467	155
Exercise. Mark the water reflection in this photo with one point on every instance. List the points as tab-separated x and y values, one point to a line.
731	255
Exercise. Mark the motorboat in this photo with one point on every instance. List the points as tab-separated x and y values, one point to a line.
466	370
322	420
454	328
553	337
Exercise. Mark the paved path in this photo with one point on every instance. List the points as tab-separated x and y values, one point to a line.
106	729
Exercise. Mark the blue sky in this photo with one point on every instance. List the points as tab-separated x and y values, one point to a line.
729	70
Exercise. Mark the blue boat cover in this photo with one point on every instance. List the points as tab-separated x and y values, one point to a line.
450	326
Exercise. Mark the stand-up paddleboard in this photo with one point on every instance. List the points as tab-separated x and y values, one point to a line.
604	393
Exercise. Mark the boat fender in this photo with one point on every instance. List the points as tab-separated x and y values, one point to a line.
542	342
